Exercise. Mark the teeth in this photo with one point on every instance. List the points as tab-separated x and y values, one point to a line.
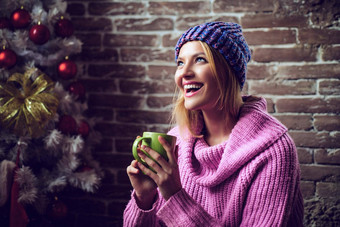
192	86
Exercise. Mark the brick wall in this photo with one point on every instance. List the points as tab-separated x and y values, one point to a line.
128	64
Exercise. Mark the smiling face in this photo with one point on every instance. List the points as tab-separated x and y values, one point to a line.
195	78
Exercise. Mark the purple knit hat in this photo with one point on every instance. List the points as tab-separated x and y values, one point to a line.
227	38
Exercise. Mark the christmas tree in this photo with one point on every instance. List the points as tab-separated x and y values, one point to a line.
45	137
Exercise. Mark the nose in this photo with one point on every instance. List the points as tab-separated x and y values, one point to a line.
185	71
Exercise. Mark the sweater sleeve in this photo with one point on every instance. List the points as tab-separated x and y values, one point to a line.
182	210
135	216
272	192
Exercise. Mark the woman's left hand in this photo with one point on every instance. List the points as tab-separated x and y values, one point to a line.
167	173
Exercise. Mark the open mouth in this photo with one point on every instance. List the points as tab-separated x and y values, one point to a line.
192	88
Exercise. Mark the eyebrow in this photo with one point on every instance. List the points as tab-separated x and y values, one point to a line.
194	55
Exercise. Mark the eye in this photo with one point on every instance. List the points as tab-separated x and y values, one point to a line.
201	59
180	63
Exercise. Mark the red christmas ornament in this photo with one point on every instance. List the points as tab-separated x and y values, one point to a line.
8	58
5	23
20	18
84	129
64	28
39	34
78	89
67	69
84	168
67	125
57	210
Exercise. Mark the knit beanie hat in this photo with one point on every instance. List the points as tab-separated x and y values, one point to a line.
226	38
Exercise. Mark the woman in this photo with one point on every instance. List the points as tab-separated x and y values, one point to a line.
234	164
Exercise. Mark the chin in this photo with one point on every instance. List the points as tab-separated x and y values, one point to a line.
191	107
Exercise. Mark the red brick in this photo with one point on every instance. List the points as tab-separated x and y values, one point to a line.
331	53
75	9
270	37
270	105
184	23
124	145
161	72
327	122
122	177
258	72
328	190
305	155
273	20
106	145
147	55
115	208
288	8
285	87
308	105
319	36
120	130
147	87
245	90
113	191
316	139
102	113
109	177
320	173
90	39
284	54
82	205
296	122
103	85
222	6
115	101
116	8
147	24
170	40
88	54
310	71
323	156
307	189
116	71
114	40
329	87
118	161
144	117
159	102
160	128
92	24
179	8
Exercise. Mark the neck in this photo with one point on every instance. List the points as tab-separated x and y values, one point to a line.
218	127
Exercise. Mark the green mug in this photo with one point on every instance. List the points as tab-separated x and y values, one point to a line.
150	139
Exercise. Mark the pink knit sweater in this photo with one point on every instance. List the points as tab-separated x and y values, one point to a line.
252	179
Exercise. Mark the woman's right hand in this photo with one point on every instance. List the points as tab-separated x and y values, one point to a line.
145	187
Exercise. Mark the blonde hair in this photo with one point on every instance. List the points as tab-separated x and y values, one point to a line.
229	101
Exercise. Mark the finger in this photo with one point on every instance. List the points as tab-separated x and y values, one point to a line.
134	163
133	168
168	149
156	161
176	154
164	143
140	143
147	171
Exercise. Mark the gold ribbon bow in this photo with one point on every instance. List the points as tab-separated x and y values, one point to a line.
27	104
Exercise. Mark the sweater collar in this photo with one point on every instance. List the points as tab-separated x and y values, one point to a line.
254	132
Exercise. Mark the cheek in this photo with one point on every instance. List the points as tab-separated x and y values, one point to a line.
178	80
